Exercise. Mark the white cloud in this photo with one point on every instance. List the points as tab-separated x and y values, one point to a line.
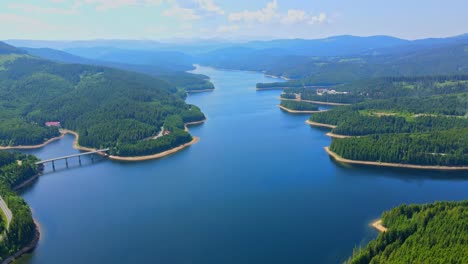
23	25
264	15
320	19
294	16
210	6
181	13
269	14
103	5
228	28
42	10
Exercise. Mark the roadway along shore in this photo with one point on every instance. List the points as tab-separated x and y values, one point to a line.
395	165
300	111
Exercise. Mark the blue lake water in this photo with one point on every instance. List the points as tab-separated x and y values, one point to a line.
257	188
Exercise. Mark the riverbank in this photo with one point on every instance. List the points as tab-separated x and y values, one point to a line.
200	91
270	88
34	146
278	77
28	248
395	165
312	123
315	102
378	225
155	156
140	158
300	111
164	153
332	135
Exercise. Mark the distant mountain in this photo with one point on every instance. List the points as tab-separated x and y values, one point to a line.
164	71
57	55
8	49
173	60
57	44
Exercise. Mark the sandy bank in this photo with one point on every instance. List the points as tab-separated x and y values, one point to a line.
34	146
270	88
395	165
315	102
200	91
300	111
312	123
332	135
155	156
139	158
378	225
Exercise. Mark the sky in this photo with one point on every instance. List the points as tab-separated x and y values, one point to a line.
229	19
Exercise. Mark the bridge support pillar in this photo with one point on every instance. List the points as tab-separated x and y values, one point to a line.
92	158
66	162
79	160
53	165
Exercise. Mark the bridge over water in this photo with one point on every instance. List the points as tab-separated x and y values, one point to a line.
79	155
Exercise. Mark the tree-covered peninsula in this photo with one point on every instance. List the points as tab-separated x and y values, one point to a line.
116	109
298	105
17	230
422	121
428	233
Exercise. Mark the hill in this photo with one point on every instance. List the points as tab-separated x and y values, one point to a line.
107	107
181	79
428	233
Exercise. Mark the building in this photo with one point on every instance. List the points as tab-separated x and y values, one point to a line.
52	124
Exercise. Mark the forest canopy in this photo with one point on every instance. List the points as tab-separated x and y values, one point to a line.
107	107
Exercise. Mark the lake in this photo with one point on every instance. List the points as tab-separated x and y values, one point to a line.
257	188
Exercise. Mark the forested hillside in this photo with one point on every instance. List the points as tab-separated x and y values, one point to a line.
449	58
14	169
429	233
422	121
156	67
107	107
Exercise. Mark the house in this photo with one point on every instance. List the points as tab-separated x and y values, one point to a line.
52	124
167	132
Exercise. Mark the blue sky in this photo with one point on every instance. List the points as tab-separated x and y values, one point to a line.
233	19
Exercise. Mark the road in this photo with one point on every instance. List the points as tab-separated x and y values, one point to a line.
6	211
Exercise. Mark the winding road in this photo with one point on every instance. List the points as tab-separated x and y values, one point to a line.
6	211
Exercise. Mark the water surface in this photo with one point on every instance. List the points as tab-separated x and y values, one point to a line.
257	188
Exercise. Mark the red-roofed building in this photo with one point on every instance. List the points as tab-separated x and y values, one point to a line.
52	124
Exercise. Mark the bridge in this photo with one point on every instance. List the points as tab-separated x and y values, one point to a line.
79	155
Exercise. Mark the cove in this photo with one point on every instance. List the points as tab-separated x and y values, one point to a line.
257	188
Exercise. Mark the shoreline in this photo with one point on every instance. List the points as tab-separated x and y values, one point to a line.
332	135
33	146
270	89
78	147
312	123
300	111
199	91
156	156
378	225
28	248
315	102
395	165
